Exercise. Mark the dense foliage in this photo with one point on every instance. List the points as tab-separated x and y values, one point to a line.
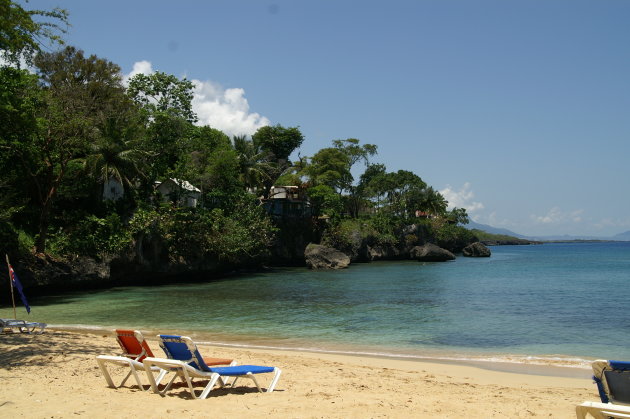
82	153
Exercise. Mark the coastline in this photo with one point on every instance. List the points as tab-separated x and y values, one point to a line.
55	375
559	365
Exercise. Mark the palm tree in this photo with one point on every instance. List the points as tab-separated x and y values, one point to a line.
115	156
434	202
256	170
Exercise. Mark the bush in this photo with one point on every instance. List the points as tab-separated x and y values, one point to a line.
348	234
93	236
453	237
243	234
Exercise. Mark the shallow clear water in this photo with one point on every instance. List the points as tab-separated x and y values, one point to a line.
555	302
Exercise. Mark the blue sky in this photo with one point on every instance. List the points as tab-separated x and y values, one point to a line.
518	111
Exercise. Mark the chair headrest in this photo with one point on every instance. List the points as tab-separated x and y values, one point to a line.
182	348
133	344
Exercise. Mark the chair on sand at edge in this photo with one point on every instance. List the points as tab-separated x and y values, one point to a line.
613	383
134	350
187	363
11	325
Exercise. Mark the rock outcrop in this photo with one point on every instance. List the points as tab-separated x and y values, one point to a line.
323	257
477	250
431	253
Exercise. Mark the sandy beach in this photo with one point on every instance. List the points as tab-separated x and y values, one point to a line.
55	375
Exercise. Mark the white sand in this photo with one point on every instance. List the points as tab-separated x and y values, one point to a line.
55	375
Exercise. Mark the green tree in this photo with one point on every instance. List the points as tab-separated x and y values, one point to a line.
331	167
256	170
373	184
275	144
166	102
79	94
458	216
326	201
211	163
22	32
163	93
116	154
404	190
354	151
432	201
20	100
205	138
279	141
222	171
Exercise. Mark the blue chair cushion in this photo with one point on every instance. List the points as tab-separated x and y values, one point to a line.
241	370
176	348
619	365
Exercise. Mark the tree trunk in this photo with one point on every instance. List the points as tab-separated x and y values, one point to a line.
44	215
40	243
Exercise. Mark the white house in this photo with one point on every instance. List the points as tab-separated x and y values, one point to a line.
287	201
113	190
180	191
284	192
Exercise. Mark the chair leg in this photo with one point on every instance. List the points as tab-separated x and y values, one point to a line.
152	380
275	379
108	378
213	380
127	377
168	386
161	376
253	378
135	375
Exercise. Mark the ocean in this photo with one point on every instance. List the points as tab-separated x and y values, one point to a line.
559	304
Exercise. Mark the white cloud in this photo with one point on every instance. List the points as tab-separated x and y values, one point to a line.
5	63
463	198
140	67
224	109
556	216
492	219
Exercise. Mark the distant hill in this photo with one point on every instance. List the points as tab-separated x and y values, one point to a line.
567	238
503	231
493	230
622	236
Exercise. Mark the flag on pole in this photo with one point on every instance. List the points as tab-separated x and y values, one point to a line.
18	285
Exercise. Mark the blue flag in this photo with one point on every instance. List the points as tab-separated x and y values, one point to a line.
18	285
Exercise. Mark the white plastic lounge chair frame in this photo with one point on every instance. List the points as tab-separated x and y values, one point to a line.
602	410
11	325
130	361
188	372
133	365
182	369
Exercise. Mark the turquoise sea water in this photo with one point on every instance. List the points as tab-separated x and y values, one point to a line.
553	303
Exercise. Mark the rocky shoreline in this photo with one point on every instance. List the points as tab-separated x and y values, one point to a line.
147	263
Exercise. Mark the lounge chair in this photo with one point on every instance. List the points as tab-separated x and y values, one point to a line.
613	384
12	326
187	363
134	350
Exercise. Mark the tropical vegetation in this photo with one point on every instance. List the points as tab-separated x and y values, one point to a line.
70	125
